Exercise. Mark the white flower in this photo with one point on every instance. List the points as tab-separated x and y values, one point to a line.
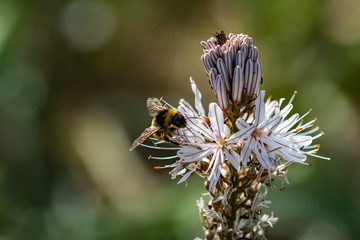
274	135
212	142
260	202
267	220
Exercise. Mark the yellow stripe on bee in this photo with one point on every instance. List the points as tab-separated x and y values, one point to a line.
169	116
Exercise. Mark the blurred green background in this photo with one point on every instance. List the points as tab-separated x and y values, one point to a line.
74	79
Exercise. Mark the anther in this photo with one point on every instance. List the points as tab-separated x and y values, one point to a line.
295	92
157	167
322	133
149	157
297	130
310	164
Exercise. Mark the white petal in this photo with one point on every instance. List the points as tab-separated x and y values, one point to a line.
284	149
216	117
299	141
191	154
261	157
286	110
241	124
260	109
198	96
186	109
242	134
199	126
272	123
234	158
270	108
186	176
217	160
287	124
246	151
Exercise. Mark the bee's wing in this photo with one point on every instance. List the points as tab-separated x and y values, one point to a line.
154	106
146	134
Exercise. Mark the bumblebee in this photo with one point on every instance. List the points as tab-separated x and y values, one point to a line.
165	122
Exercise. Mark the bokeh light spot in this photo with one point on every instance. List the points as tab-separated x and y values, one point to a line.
88	25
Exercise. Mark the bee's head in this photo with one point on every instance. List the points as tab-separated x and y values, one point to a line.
179	121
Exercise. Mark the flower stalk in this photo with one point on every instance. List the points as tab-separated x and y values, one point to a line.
241	146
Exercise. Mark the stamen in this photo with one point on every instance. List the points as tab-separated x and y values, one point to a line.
317	156
303	116
317	136
311	131
297	130
160	148
157	167
293	96
162	158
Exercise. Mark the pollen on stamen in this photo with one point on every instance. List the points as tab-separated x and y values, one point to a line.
297	130
154	143
157	167
161	99
149	157
310	164
322	133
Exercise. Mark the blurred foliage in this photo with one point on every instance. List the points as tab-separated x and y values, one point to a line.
74	78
